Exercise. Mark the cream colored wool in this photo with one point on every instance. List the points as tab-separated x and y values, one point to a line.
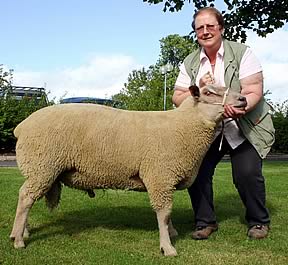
101	147
89	146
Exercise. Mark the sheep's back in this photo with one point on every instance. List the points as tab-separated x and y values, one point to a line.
91	138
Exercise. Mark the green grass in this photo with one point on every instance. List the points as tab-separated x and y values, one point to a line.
119	227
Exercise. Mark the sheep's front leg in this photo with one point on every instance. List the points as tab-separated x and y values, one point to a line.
163	217
20	224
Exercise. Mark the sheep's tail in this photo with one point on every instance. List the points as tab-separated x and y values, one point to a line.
17	131
53	195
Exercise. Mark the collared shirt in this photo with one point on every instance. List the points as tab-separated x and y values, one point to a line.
205	67
249	65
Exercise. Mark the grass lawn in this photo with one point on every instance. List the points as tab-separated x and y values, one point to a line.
119	227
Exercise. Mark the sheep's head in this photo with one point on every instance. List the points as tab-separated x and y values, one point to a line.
211	99
218	96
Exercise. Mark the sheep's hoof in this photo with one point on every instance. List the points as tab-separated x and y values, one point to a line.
18	244
169	251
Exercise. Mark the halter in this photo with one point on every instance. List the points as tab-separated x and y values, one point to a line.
223	103
224	98
222	131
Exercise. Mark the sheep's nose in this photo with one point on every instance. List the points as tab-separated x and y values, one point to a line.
243	99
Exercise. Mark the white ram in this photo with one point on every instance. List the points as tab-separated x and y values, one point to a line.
87	146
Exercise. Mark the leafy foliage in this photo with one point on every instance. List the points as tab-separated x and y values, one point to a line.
280	120
13	111
145	88
174	49
261	16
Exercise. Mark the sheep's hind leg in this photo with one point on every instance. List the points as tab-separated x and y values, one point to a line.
172	231
19	230
91	193
26	232
163	217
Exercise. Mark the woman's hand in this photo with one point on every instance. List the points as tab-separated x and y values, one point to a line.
232	112
206	79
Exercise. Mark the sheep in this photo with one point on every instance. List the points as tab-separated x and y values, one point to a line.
88	146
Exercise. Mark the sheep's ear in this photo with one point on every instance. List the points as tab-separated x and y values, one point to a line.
195	91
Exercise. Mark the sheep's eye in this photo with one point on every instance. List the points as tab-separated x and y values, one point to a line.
207	93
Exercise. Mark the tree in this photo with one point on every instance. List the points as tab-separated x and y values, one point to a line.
174	49
145	88
260	16
12	110
6	78
280	120
5	85
143	91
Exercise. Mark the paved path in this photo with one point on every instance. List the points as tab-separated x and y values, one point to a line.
8	163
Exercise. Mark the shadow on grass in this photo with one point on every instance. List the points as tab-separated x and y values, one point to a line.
121	218
74	222
230	206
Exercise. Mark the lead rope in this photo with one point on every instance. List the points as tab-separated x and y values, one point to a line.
222	130
222	136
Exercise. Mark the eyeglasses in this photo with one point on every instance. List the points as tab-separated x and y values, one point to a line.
210	28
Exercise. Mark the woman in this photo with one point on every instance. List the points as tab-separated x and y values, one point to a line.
246	134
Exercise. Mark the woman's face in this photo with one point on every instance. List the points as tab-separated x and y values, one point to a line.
208	31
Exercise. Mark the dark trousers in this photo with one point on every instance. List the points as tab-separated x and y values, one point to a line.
247	178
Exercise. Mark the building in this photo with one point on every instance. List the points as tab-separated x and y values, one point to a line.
87	100
19	92
101	101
